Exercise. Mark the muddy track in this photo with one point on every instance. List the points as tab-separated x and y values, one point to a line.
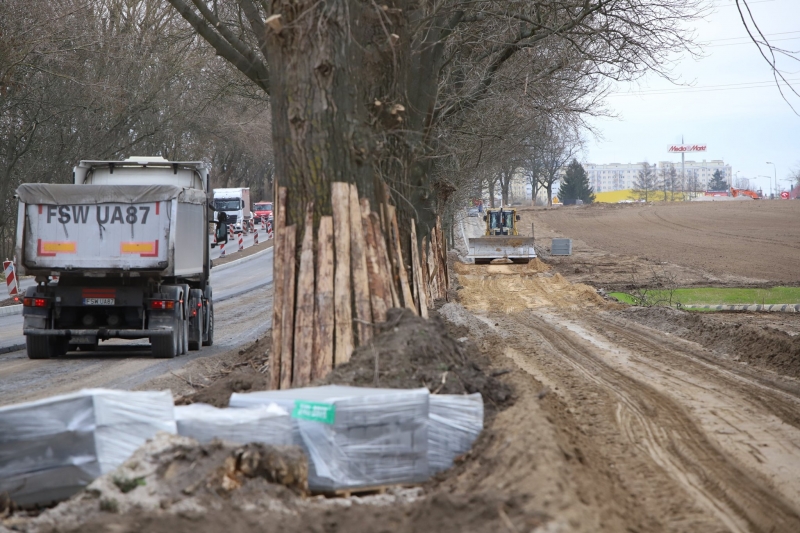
661	428
768	393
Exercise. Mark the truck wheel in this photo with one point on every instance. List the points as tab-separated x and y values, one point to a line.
166	346
210	337
39	347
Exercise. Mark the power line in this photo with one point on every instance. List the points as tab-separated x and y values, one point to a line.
751	42
704	88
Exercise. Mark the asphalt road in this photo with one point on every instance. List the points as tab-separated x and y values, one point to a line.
242	304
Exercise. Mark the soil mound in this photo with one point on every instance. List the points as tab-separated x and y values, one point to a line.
408	352
219	392
758	345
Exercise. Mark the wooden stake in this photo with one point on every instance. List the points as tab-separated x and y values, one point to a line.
322	358
304	314
390	292
287	320
445	282
426	279
343	322
419	284
377	287
433	263
277	296
408	300
358	265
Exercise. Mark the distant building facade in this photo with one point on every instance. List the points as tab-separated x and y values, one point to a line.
617	176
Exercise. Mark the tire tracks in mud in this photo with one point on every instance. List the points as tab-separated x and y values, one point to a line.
664	431
770	394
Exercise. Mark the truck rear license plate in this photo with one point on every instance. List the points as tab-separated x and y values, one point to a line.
98	301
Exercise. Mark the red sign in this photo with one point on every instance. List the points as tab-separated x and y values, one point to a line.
679	148
785	195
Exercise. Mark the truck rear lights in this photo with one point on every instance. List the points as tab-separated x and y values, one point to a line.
34	302
162	304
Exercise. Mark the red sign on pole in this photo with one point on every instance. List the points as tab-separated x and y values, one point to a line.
785	195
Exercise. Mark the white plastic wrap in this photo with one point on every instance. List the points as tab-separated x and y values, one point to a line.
52	448
355	437
269	424
455	423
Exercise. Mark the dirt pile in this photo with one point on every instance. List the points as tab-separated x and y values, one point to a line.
178	476
757	345
409	352
513	288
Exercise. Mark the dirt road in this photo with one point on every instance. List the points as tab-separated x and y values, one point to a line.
691	440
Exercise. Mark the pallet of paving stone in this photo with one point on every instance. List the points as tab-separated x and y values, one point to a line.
455	422
267	424
355	438
52	448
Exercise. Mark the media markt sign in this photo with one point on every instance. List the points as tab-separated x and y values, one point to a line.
682	148
314	411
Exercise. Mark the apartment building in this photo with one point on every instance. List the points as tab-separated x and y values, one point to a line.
617	176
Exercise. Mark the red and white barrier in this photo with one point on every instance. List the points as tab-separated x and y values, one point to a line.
241	242
269	230
11	278
231	232
255	237
222	249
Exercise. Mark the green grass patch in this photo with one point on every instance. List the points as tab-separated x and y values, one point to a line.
720	296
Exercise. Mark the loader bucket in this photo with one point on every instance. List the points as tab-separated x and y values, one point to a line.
512	248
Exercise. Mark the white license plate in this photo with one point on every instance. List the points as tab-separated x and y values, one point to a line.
98	301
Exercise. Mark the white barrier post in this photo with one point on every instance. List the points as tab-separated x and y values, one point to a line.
222	249
241	241
255	237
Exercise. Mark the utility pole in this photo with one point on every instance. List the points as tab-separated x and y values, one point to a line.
683	163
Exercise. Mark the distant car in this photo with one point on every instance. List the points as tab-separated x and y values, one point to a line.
472	212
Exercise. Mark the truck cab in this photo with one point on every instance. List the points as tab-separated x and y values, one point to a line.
262	211
235	203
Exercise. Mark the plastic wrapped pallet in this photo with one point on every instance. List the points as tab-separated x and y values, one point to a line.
52	448
455	423
355	437
269	424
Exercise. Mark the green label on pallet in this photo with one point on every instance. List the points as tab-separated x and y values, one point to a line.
314	411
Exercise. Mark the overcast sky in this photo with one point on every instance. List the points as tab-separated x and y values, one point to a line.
733	105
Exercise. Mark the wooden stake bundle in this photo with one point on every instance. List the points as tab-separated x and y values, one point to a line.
343	322
304	318
322	358
426	281
358	265
277	296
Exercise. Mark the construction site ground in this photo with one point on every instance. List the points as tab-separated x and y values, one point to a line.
601	417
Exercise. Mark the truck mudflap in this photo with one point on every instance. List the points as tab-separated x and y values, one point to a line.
514	248
101	334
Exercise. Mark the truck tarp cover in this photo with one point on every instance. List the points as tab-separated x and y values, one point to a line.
51	194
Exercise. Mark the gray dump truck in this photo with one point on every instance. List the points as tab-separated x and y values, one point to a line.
123	252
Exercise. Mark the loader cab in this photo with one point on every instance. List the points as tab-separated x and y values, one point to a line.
501	222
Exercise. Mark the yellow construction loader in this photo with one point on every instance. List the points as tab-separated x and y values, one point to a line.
501	242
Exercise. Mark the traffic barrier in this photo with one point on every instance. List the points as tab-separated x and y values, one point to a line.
241	241
255	237
222	249
269	230
11	278
252	225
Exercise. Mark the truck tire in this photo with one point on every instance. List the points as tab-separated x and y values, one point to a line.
210	337
39	347
196	338
166	346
